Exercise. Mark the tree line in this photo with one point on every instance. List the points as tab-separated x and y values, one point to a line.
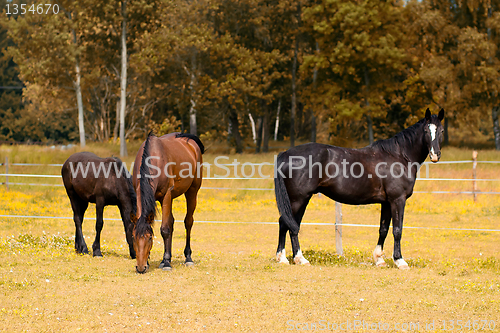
248	70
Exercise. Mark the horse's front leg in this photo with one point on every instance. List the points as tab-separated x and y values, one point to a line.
397	211
167	230
99	223
126	214
298	208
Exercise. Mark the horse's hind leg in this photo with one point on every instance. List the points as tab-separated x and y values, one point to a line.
385	221
298	210
280	253
188	222
99	222
79	207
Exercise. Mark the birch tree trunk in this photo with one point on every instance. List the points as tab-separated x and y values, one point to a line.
117	122
79	102
252	123
193	129
123	81
277	125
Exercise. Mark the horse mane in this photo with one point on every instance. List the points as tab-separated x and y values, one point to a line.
148	202
399	143
128	179
194	138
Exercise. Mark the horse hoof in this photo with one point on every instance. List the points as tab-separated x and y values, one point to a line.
97	255
401	264
82	251
380	262
189	264
281	257
165	266
301	261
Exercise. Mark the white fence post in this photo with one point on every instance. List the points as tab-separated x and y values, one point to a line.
7	172
338	228
474	183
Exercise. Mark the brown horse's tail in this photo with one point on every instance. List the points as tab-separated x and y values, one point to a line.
148	202
283	200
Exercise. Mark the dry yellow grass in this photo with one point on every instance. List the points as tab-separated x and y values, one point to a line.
236	284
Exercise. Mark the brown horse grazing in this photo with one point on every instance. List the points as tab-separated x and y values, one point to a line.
165	168
103	181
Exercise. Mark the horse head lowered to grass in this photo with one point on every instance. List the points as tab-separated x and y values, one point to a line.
383	172
165	167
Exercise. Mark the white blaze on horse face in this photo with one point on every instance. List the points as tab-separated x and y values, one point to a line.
299	259
281	257
432	129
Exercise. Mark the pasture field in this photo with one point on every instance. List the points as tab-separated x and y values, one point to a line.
236	284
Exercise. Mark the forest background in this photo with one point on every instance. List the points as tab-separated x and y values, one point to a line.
248	71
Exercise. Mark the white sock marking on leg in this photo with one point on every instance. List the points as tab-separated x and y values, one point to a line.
299	259
281	257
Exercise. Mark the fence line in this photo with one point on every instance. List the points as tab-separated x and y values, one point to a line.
249	178
271	189
256	222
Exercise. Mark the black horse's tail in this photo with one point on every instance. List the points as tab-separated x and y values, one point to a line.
194	138
283	200
130	186
148	202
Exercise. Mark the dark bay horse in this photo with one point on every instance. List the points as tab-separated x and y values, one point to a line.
384	172
103	181
165	168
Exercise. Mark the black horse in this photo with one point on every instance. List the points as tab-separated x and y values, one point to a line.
103	181
384	172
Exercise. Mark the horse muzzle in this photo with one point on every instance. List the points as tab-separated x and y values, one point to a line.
434	157
141	271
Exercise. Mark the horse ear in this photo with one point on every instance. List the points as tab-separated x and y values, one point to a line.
428	114
441	115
